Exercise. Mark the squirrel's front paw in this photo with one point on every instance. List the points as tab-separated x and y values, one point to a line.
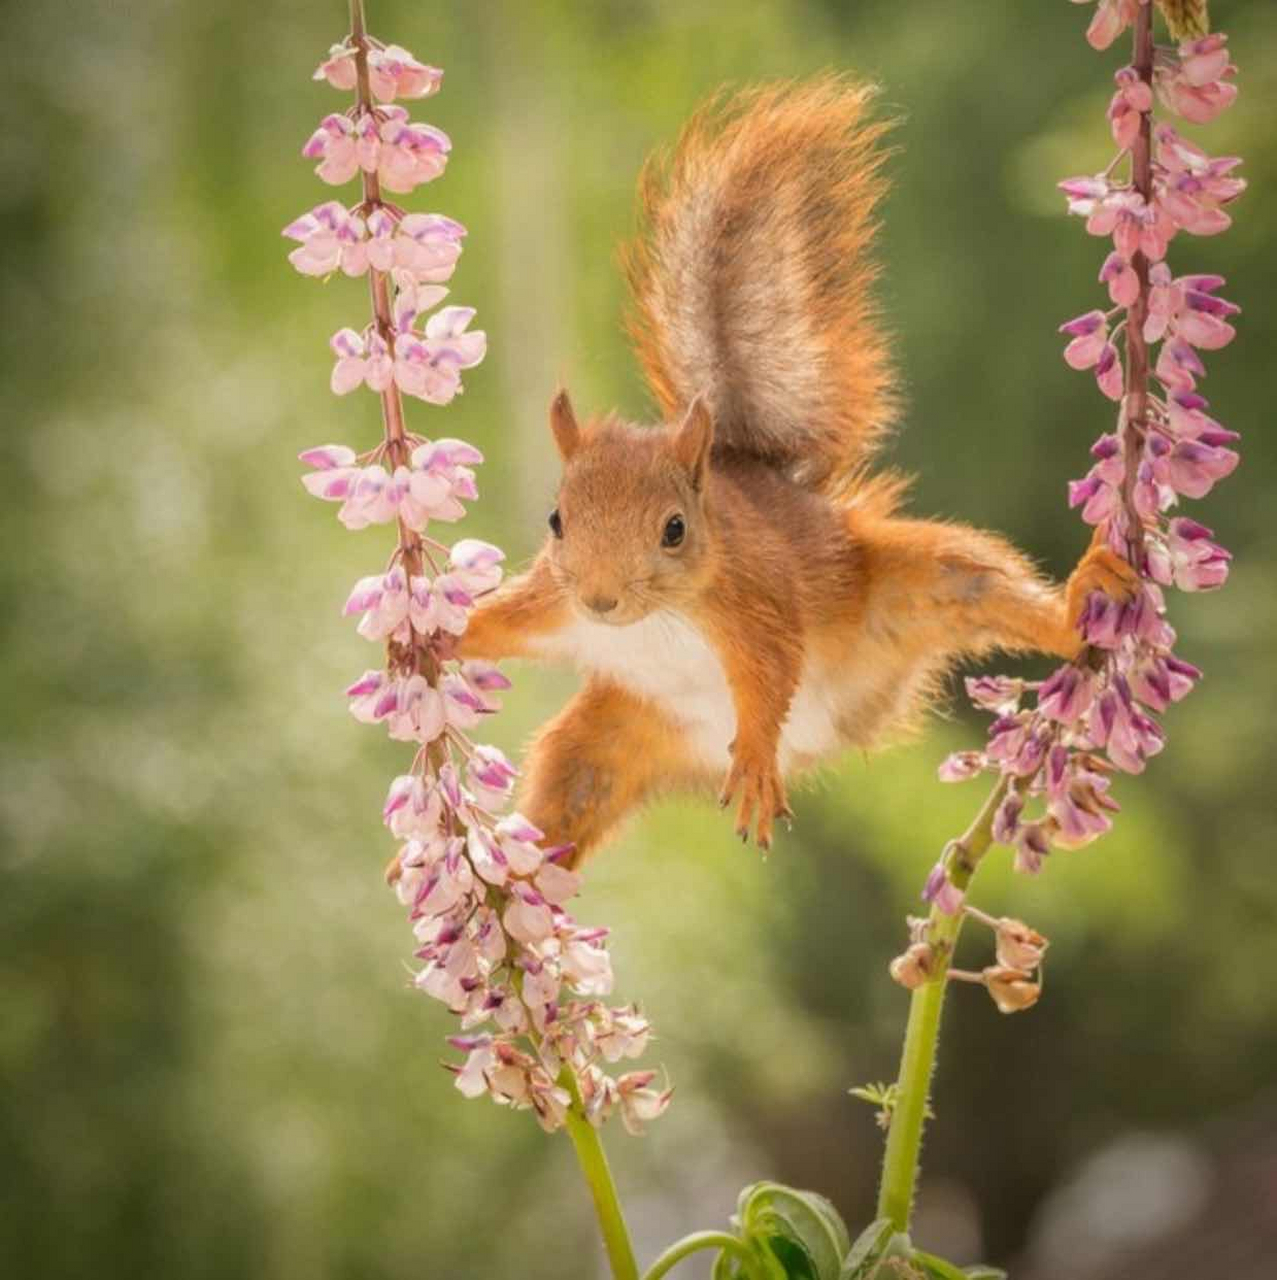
1101	569
762	793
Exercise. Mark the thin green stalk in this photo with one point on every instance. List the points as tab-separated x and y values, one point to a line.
680	1249
922	1034
593	1161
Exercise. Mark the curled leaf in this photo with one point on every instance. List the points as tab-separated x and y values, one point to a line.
869	1247
800	1229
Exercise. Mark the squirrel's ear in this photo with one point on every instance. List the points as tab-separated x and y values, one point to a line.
567	435
692	440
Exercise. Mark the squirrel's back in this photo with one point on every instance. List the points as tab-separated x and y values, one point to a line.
753	284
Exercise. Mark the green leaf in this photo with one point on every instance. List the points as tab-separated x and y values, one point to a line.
725	1267
868	1248
800	1229
731	1266
772	1266
939	1269
793	1257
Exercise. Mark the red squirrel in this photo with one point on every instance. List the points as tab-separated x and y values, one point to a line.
743	597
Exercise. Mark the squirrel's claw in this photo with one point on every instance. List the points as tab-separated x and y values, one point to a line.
762	794
1100	569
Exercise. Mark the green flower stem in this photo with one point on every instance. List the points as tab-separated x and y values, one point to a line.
593	1161
922	1034
680	1249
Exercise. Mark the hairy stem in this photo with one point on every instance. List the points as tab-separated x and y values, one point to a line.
593	1161
688	1245
1135	407
922	1033
398	448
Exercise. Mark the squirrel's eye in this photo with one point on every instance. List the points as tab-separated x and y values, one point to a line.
674	532
556	523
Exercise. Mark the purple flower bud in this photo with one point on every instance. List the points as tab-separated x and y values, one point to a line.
960	766
1194	467
1108	372
328	456
1006	820
941	891
1083	325
1101	621
368	683
1006	737
1031	847
1199	300
1084	188
387	703
995	693
1202	283
485	676
1066	694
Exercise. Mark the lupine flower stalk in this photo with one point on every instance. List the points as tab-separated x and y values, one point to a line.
1056	745
1059	743
486	897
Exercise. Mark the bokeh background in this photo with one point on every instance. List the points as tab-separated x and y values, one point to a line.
212	1064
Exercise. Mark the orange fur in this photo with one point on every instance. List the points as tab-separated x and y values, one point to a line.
752	282
795	612
605	753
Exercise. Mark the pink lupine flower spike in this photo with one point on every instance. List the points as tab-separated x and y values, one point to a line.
487	901
1059	743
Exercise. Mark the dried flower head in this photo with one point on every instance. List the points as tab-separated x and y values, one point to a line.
1018	946
1013	990
914	966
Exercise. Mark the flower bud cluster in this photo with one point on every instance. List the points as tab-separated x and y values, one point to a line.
1058	742
486	898
429	486
419	353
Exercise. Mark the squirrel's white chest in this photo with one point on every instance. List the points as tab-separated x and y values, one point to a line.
665	658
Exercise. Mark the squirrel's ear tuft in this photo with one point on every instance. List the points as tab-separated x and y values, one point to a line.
692	440
567	435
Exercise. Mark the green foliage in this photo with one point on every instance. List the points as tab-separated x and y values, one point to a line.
868	1250
880	1253
938	1269
799	1235
879	1095
883	1097
800	1230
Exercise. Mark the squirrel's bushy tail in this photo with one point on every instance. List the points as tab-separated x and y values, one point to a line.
752	282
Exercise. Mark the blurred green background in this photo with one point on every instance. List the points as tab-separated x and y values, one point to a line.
212	1064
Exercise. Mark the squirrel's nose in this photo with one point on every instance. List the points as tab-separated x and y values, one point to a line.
601	604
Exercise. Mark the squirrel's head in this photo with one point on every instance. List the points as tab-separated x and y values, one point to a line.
629	534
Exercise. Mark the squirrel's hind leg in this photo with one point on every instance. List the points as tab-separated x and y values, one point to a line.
950	590
599	758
